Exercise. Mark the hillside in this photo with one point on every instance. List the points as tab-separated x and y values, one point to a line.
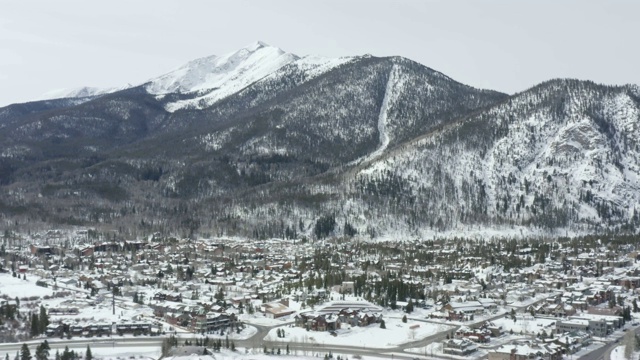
264	143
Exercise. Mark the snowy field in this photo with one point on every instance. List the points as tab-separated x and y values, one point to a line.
372	336
17	287
253	354
245	334
98	308
261	320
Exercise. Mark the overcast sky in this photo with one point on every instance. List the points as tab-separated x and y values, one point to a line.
507	45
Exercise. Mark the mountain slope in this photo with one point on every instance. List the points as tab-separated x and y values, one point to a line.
562	155
262	143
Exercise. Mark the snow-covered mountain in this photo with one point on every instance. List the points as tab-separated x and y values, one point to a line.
563	155
213	78
86	92
261	141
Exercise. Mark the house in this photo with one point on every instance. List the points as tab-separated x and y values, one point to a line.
276	310
174	318
459	347
40	250
318	322
63	311
67	282
86	251
347	287
480	335
366	318
133	328
211	322
168	296
54	330
558	310
463	310
349	316
98	329
489	305
8	305
573	341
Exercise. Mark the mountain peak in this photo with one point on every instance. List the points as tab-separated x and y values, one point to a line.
216	77
80	92
256	45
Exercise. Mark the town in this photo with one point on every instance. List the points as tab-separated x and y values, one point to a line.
462	298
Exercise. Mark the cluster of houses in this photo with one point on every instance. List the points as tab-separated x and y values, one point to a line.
180	279
194	317
465	310
527	350
481	334
91	329
331	321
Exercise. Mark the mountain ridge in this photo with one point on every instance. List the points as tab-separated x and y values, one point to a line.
387	146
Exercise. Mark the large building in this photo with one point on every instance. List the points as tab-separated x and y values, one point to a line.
597	325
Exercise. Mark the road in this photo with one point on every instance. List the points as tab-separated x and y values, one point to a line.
255	342
58	344
604	353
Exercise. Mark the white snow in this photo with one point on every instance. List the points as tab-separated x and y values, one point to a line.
314	66
217	77
394	82
13	287
618	353
80	92
372	336
382	117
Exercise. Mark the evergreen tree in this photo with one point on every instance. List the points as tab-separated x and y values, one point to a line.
410	306
404	319
35	325
66	354
87	354
43	320
42	351
382	324
25	354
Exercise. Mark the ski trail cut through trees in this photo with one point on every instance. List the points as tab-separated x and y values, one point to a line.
382	117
